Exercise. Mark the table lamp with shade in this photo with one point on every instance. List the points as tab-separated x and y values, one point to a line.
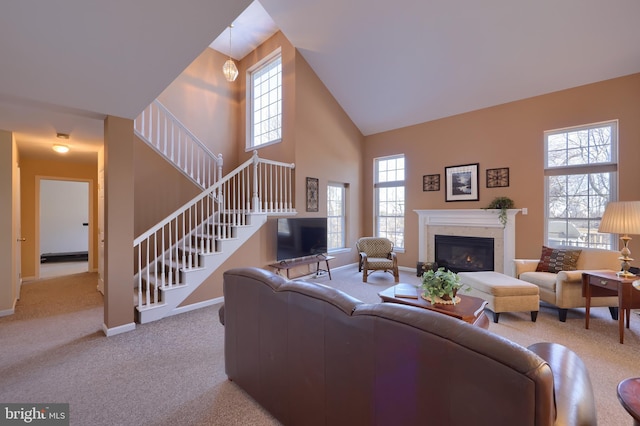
622	217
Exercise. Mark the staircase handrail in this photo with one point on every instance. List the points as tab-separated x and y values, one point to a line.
254	160
143	128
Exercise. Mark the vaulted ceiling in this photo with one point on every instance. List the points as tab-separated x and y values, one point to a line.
66	64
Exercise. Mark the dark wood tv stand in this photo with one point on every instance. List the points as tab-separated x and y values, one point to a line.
294	263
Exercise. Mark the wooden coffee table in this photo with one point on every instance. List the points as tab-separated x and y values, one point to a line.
470	309
629	397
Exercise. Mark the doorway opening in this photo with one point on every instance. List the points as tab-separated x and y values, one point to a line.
64	232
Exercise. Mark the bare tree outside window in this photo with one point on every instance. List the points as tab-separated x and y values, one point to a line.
336	216
264	98
581	178
389	191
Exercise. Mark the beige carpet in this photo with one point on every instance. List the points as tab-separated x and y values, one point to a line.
172	371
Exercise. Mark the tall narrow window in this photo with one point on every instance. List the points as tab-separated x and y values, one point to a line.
336	216
389	199
265	102
581	174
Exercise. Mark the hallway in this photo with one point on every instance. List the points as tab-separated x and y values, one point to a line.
58	269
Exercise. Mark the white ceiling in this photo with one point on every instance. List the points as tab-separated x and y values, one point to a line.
67	64
250	30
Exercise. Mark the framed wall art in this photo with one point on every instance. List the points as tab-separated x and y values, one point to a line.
312	194
497	178
461	183
431	182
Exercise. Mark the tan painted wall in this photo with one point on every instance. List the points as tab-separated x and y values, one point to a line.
118	224
16	271
159	188
30	169
328	147
508	135
323	143
7	245
206	104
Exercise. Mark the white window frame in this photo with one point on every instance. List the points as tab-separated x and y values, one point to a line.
339	216
585	227
398	237
273	108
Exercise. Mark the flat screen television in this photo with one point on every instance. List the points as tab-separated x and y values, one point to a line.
301	237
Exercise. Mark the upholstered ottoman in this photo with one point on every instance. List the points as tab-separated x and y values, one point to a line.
502	292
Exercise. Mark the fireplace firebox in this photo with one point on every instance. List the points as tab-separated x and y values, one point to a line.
464	254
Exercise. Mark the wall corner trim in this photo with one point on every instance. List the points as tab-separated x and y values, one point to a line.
118	330
198	305
8	312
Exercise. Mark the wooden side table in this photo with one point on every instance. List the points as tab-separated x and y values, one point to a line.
290	264
608	283
629	397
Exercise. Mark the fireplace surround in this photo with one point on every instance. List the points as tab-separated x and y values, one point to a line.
469	222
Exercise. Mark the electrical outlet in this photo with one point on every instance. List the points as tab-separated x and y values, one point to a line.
525	210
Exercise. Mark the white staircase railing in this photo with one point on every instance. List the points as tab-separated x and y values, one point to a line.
171	139
175	244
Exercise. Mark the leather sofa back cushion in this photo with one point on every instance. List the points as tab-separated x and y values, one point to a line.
556	260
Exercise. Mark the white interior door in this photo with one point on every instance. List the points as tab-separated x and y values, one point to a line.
64	216
17	223
101	230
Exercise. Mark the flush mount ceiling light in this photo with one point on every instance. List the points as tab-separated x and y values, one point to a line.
62	149
229	68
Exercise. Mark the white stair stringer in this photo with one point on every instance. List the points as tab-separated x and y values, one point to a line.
192	278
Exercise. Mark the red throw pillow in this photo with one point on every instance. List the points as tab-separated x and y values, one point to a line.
556	260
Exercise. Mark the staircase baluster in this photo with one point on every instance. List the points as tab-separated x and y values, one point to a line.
177	239
184	242
164	135
203	248
228	199
170	254
155	267
139	277
146	290
162	260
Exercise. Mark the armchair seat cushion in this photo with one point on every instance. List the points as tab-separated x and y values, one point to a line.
546	280
379	263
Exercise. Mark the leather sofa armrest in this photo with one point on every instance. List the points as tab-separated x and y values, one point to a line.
221	314
575	403
525	265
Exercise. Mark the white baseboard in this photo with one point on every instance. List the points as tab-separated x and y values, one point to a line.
194	306
118	330
8	312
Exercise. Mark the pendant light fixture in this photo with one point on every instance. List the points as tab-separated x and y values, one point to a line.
229	68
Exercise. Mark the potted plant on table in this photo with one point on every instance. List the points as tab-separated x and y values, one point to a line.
441	286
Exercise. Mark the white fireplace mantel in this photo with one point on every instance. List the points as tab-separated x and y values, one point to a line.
463	222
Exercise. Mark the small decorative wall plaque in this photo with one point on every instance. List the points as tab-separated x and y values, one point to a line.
431	182
497	178
312	194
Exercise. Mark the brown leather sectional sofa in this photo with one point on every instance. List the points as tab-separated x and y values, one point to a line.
312	355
